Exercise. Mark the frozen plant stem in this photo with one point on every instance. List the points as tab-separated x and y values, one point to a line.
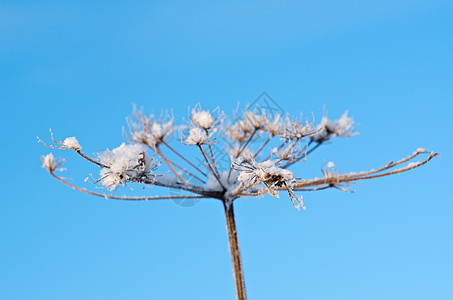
246	173
235	253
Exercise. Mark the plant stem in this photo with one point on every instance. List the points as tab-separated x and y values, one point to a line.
238	273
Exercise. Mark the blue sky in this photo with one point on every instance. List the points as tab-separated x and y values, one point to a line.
78	68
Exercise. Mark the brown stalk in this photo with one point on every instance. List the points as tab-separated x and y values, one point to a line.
238	272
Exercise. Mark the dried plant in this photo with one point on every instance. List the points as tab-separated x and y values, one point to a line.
260	148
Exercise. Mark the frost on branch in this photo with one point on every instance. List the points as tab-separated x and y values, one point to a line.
126	163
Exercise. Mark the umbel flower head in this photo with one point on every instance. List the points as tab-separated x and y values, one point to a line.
266	145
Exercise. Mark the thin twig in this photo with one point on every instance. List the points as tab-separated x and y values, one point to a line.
185	159
210	167
263	145
167	162
211	153
185	171
78	151
126	197
361	176
290	163
247	142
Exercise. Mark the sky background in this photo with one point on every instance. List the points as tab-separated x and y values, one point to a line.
78	68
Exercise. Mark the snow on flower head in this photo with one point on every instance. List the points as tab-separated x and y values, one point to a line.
265	171
274	178
72	143
328	129
197	136
126	163
205	119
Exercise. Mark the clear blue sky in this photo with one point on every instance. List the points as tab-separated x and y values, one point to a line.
78	67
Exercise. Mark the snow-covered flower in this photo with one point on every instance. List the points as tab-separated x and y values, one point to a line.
72	143
126	163
251	173
197	136
50	163
205	119
328	129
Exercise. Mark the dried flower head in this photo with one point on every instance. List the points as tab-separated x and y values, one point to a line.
296	129
50	163
328	129
274	178
126	163
274	125
72	143
256	120
148	130
206	119
240	131
198	137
